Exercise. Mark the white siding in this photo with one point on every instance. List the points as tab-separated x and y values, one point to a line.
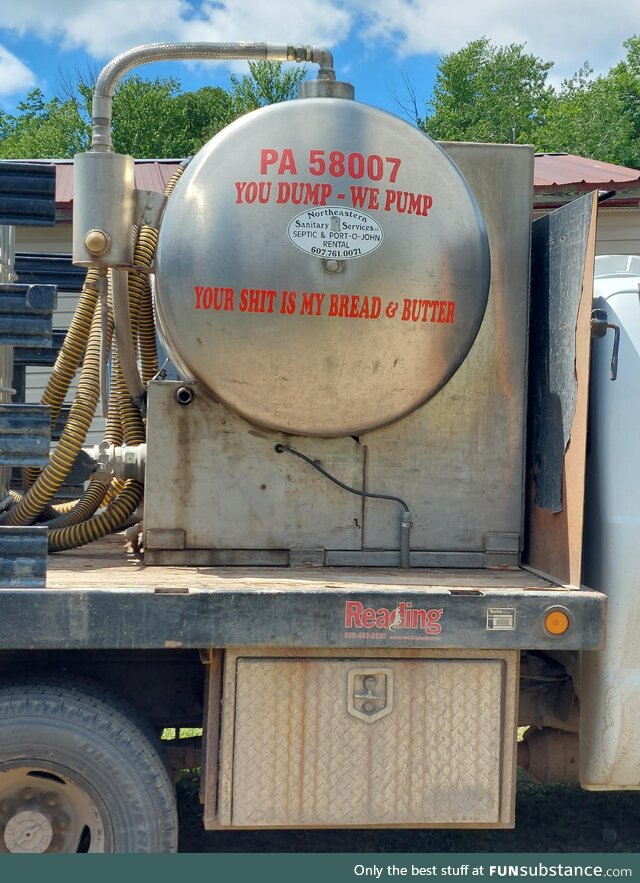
618	231
54	240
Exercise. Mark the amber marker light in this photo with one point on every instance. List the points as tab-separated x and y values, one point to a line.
557	621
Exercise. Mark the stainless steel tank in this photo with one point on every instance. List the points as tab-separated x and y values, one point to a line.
322	268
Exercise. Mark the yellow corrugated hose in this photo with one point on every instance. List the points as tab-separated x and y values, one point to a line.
75	524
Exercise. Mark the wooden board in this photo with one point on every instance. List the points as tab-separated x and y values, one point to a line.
561	295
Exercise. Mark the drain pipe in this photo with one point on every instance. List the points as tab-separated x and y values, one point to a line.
127	61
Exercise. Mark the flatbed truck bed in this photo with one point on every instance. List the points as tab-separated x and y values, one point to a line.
103	596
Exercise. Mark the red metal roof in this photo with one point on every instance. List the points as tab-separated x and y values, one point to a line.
150	174
558	177
553	170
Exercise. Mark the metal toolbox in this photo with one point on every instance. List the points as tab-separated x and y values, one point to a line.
379	738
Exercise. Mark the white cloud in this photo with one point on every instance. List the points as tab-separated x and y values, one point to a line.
104	28
278	21
15	77
566	32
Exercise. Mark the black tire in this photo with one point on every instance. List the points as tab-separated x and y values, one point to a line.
78	775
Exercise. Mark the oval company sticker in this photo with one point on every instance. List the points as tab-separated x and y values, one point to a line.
335	231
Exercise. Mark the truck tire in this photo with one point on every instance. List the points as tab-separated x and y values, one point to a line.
77	775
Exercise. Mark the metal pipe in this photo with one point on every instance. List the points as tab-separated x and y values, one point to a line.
405	540
104	347
124	338
127	61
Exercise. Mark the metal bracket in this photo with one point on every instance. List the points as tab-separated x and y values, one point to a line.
149	207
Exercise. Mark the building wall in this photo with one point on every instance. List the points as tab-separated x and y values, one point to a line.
618	231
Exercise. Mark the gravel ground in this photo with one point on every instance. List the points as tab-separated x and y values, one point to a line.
560	818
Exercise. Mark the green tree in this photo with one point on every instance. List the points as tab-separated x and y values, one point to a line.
591	117
48	129
151	119
499	93
268	82
626	79
489	93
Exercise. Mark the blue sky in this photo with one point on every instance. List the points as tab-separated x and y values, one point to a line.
376	43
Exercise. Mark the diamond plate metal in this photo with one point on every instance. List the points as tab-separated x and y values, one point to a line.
292	754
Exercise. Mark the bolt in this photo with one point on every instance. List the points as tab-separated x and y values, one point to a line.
51	798
5	806
97	242
332	266
369	707
27	794
369	683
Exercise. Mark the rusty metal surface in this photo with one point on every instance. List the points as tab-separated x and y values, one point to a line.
117	615
293	755
562	285
99	596
561	178
560	263
562	169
